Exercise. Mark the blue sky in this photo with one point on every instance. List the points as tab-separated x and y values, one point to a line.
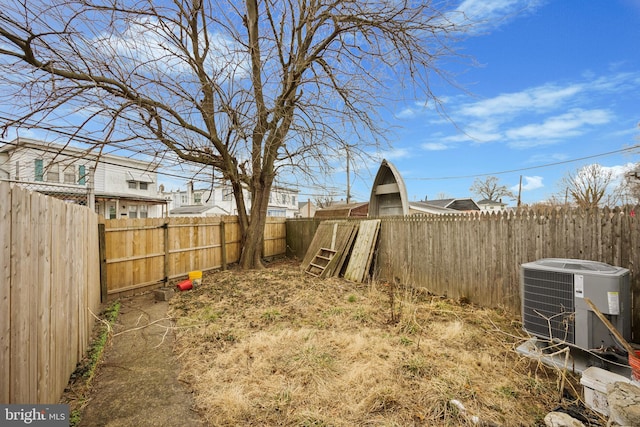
556	81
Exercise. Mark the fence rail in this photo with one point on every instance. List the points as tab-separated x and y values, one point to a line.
144	253
479	256
49	279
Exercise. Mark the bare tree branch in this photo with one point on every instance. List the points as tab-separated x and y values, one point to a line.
253	88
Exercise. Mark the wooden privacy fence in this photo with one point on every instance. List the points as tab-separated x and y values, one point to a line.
49	279
479	256
144	253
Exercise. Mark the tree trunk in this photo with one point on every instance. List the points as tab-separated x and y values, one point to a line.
253	236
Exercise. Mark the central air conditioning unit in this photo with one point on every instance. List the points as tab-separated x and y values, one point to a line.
553	306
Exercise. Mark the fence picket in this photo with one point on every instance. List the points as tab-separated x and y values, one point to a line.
479	256
5	284
44	260
186	244
22	389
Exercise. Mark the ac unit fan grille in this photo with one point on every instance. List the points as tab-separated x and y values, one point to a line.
548	304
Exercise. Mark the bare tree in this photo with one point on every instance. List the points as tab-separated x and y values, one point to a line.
252	88
324	201
588	187
490	189
628	191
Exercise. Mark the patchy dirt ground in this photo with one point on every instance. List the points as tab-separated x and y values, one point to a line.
136	382
278	347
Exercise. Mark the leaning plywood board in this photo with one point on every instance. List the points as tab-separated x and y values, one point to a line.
334	235
336	267
362	252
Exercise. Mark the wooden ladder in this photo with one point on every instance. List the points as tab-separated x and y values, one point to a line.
320	262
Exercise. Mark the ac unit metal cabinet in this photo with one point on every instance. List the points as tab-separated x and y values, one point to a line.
553	307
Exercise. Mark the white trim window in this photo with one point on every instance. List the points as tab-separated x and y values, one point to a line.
53	173
70	174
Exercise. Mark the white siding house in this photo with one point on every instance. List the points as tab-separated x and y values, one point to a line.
219	200
487	205
121	187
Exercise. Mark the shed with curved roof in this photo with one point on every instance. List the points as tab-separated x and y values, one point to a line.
388	194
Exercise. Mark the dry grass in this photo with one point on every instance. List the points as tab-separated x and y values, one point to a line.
278	347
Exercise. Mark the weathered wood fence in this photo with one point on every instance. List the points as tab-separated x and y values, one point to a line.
49	279
479	256
144	253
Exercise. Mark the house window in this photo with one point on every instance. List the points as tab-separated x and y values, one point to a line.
53	174
133	211
82	176
70	175
144	185
183	199
39	176
227	194
112	212
197	198
133	185
142	211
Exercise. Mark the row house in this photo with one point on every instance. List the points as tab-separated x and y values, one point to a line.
219	200
115	186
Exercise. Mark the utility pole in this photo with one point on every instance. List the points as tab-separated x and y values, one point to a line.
348	178
519	191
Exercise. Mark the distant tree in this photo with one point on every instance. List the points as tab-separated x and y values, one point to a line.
628	191
588	187
553	201
490	188
254	89
323	201
443	196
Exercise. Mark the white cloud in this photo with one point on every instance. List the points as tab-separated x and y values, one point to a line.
547	158
536	116
566	125
619	171
396	153
538	99
407	113
146	43
530	183
488	14
418	108
434	146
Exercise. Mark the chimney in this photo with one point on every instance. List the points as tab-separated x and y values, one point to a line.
190	193
161	188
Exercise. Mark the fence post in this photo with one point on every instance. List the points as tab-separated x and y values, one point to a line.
223	246
102	255
165	226
91	191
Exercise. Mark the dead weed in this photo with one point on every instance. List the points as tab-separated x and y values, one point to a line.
278	347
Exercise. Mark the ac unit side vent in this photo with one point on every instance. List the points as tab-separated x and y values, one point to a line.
549	295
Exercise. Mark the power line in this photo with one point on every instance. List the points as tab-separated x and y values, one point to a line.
89	140
608	153
53	149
